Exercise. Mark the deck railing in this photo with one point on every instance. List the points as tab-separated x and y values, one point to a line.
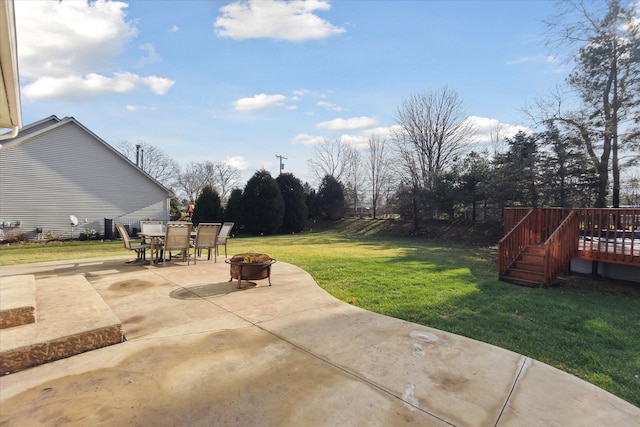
512	217
534	227
560	247
516	239
610	235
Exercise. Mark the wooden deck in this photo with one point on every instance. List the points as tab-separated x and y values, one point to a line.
603	235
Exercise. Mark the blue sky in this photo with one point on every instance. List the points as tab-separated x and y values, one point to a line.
244	81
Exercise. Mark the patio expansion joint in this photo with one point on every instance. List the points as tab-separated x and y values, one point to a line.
356	376
525	363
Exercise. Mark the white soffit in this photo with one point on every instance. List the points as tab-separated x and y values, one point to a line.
10	114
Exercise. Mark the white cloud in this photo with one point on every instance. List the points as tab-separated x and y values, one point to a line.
92	84
488	129
237	162
285	20
66	49
174	29
139	107
353	123
266	164
159	85
359	142
356	141
78	87
519	60
387	132
306	139
329	106
551	61
259	102
151	54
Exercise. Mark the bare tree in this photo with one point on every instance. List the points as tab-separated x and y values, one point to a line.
606	79
497	136
331	157
434	131
409	169
224	177
379	169
152	160
197	175
191	180
355	178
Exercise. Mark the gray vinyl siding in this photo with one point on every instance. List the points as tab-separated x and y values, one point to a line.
68	171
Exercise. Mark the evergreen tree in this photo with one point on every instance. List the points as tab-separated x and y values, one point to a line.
174	209
331	198
311	199
263	204
515	177
235	209
567	176
295	206
208	207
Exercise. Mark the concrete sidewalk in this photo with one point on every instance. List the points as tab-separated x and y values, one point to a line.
200	352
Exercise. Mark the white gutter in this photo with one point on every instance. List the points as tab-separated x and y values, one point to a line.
10	112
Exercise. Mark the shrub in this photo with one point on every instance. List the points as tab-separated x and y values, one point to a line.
263	204
234	210
88	234
295	206
208	207
330	199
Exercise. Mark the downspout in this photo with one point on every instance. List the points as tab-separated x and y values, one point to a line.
9	135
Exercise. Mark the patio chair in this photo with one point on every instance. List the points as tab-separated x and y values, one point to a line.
151	227
177	237
225	232
141	248
206	238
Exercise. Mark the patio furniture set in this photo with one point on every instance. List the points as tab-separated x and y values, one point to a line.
161	240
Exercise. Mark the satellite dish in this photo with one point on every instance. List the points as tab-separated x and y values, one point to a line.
74	220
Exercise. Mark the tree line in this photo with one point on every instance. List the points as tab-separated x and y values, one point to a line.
426	167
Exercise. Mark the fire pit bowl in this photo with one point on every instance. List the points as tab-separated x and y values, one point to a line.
250	266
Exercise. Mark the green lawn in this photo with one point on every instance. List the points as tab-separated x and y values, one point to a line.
592	334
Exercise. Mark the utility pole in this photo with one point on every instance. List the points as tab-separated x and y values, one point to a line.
281	158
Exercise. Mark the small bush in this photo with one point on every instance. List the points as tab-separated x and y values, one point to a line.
88	234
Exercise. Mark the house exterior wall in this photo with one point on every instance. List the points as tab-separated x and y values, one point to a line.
68	171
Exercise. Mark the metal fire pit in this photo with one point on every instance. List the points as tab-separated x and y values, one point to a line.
250	266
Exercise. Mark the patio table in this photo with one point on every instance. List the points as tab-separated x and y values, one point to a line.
156	243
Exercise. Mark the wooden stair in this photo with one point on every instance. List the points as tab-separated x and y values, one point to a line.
49	319
528	269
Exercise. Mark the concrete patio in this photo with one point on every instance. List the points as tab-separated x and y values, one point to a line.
199	352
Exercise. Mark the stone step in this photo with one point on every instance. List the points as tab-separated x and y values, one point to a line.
17	300
71	318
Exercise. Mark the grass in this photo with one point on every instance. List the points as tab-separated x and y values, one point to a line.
589	333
